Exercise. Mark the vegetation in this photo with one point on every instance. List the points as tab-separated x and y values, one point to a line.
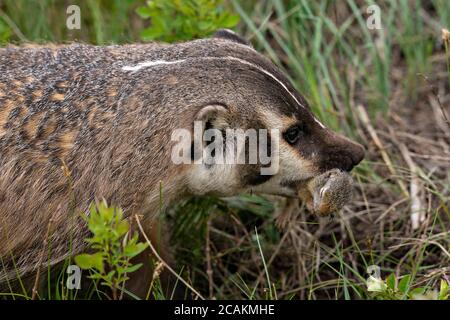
113	248
392	289
184	20
386	88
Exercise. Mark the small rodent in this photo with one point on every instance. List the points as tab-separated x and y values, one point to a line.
328	192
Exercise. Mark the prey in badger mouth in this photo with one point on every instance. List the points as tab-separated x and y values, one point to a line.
324	194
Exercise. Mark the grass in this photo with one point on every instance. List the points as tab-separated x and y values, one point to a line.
250	247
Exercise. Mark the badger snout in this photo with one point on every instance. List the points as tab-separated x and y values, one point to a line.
357	153
341	153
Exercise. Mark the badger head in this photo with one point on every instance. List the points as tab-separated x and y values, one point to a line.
240	124
257	133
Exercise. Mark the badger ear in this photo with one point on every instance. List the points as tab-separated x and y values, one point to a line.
228	34
215	115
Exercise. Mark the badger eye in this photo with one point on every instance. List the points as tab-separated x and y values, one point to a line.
293	134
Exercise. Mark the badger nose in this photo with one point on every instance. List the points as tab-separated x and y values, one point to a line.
357	153
341	153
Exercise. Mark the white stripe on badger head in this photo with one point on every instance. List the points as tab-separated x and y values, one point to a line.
149	64
319	123
277	80
164	62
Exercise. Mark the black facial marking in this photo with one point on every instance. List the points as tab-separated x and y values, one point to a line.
252	172
294	133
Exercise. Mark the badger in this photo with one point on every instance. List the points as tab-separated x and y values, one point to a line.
81	122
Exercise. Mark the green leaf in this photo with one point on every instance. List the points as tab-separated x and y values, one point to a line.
96	276
122	228
230	21
144	12
5	32
403	285
110	274
133	250
443	291
90	261
133	268
205	25
417	291
150	34
84	261
391	281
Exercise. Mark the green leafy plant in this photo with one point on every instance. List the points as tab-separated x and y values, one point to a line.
5	32
400	289
112	247
184	19
444	291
